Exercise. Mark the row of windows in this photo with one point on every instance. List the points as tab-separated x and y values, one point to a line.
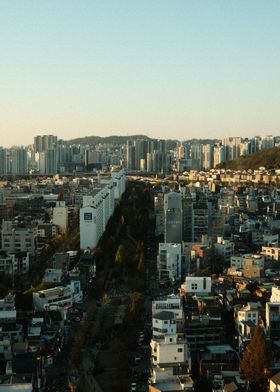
59	299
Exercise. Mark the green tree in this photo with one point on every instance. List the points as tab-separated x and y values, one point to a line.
255	362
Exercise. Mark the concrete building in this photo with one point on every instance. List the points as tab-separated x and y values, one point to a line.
44	142
60	215
98	207
53	275
9	328
59	297
119	182
252	269
271	253
173	217
246	321
188	216
169	262
19	164
171	358
196	285
275	294
48	162
18	239
159	213
201	218
224	249
14	263
3	162
173	303
219	155
207	156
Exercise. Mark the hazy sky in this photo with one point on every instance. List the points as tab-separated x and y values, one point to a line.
163	68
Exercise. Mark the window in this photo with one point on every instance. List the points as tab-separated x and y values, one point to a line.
170	339
88	216
194	286
180	350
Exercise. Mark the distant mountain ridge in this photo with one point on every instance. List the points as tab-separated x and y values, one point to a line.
106	139
120	139
270	159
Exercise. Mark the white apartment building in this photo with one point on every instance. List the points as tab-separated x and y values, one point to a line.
170	261
172	303
60	297
119	181
60	215
196	285
108	183
91	220
170	355
14	263
97	209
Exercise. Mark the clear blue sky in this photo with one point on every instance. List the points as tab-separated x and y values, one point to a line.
166	68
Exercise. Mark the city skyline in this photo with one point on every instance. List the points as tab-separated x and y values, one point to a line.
175	70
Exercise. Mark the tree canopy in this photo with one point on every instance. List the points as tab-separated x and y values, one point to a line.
269	158
255	362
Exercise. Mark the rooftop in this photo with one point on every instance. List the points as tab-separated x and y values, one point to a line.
164	315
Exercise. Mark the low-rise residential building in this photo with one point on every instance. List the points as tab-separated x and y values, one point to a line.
196	285
238	261
252	269
53	275
171	358
9	328
19	238
172	303
247	319
14	263
59	297
271	253
169	262
224	249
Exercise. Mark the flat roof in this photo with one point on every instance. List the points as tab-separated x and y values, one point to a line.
164	315
219	348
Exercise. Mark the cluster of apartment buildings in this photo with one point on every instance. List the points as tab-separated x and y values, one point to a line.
220	248
49	155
